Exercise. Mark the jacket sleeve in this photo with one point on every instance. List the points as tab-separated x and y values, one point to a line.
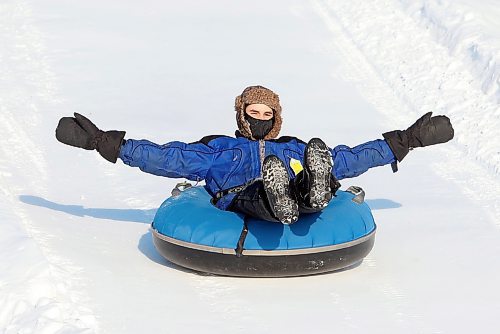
174	159
351	162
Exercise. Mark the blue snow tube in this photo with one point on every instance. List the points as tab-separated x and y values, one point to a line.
189	231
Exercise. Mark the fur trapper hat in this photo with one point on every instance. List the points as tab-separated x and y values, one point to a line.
258	94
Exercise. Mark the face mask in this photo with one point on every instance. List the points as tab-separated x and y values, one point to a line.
259	127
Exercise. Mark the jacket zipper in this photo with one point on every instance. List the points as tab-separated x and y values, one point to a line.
262	154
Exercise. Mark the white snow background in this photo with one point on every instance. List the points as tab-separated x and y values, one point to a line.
76	255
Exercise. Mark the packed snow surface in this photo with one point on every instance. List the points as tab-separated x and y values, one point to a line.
76	254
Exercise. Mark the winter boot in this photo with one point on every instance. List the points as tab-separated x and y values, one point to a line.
318	174
276	185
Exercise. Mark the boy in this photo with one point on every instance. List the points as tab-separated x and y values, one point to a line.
253	172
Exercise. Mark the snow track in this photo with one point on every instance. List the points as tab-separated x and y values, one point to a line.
406	71
75	252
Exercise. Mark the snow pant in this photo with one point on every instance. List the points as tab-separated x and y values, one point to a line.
252	201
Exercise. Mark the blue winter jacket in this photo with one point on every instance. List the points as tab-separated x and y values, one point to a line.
225	162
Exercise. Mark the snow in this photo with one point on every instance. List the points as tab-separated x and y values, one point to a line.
76	254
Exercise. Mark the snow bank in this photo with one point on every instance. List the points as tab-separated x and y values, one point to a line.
40	291
429	72
456	27
461	28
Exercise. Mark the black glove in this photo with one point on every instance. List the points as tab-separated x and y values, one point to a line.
426	131
81	132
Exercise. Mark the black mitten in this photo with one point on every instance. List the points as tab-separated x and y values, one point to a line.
81	132
425	131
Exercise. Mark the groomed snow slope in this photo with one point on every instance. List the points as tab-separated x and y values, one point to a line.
76	255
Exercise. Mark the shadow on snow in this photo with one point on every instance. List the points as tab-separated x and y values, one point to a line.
382	203
127	215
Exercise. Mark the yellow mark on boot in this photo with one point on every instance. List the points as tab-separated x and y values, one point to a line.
296	166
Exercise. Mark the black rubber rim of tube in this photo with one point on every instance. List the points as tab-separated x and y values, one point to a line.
261	265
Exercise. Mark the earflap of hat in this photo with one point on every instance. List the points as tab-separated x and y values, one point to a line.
238	103
276	126
243	124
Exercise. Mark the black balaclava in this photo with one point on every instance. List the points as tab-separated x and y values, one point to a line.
259	128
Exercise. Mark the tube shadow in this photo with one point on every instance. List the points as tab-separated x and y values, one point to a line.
127	215
382	203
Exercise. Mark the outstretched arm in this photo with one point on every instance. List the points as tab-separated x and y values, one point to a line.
427	130
174	159
351	162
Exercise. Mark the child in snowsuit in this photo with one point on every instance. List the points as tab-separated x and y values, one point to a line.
255	172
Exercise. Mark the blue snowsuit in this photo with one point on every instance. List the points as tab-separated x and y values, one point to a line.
225	162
